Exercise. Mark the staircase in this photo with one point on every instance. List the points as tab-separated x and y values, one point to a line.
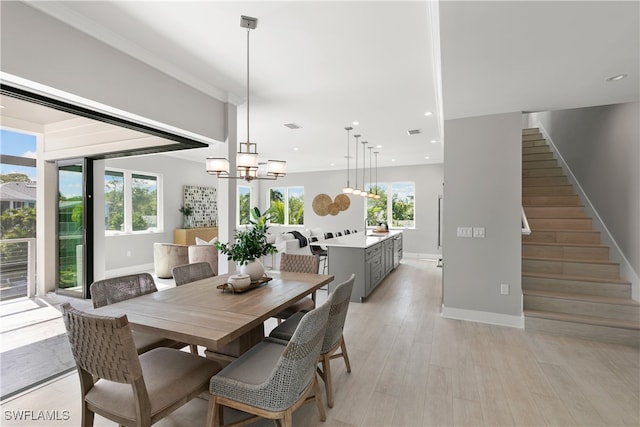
569	284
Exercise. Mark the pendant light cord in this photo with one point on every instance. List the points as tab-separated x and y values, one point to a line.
248	30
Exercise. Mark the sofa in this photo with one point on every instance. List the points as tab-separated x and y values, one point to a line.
286	242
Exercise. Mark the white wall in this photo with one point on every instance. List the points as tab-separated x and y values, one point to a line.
483	176
601	147
131	251
428	180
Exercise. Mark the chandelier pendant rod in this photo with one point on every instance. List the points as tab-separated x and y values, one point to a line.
248	31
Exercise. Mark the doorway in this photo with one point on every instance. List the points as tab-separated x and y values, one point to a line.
74	235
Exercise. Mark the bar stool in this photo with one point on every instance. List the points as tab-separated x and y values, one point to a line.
321	252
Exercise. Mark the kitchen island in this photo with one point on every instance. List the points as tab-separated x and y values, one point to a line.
370	256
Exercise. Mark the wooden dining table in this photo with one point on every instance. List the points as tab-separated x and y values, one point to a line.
225	323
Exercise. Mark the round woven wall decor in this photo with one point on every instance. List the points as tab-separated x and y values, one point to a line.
334	209
342	202
321	204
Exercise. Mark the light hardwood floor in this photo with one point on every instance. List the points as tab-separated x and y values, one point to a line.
411	367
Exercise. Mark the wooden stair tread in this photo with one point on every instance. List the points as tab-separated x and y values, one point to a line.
591	320
578	260
559	218
575	245
563	230
581	297
619	281
555	205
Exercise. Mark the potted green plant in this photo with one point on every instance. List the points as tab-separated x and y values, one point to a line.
186	212
250	245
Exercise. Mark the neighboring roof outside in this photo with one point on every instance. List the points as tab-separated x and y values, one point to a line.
21	191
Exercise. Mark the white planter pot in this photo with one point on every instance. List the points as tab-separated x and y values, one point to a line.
254	269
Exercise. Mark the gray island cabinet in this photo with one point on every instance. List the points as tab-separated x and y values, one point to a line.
371	256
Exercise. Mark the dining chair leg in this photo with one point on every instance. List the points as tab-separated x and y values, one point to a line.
318	396
87	416
326	376
287	419
345	356
194	348
214	414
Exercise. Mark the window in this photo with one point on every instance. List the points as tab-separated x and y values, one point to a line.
131	201
397	201
244	204
287	204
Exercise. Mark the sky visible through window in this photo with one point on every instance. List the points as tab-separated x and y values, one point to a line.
24	145
21	145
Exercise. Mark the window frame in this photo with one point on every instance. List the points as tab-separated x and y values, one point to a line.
286	222
128	176
389	189
238	223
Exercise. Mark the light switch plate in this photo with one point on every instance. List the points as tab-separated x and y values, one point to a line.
465	232
478	232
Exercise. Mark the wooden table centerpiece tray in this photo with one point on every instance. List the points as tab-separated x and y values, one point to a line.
238	290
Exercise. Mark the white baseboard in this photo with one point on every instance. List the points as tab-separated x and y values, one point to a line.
483	317
434	257
128	270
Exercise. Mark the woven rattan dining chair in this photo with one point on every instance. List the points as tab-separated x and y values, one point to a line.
333	339
296	263
121	288
191	272
118	384
274	377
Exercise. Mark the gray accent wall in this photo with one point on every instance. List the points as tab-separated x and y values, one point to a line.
66	59
482	176
601	147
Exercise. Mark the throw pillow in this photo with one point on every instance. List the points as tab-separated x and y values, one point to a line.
200	241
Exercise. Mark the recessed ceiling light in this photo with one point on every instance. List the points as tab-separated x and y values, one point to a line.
295	148
433	141
393	160
616	78
378	146
427	157
356	123
332	164
428	113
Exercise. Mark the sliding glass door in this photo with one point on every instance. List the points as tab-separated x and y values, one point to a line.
75	227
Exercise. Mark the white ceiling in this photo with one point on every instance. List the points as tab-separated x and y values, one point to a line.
324	64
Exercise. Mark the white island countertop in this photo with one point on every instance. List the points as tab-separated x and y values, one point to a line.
357	240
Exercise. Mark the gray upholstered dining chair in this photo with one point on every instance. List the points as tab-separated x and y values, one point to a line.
121	288
122	386
188	273
297	263
333	338
274	377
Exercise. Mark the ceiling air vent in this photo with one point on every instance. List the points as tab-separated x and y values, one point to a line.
414	132
292	125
